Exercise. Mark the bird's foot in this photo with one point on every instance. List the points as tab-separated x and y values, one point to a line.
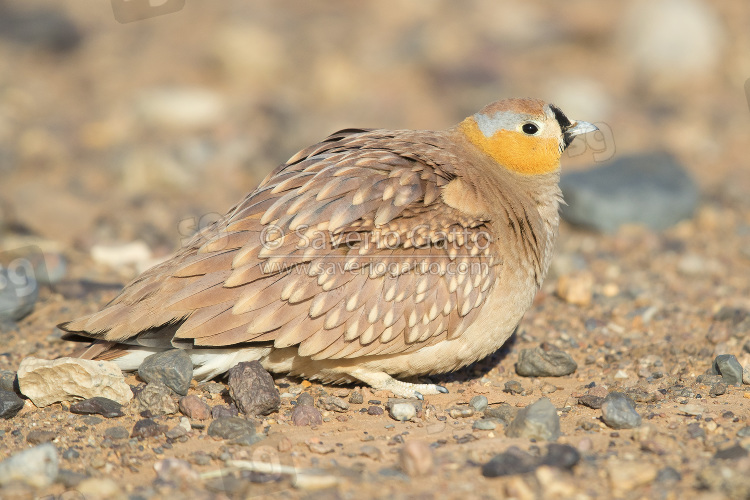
381	381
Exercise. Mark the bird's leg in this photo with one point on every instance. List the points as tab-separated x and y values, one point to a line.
381	381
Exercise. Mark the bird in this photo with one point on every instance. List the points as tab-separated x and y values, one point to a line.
373	257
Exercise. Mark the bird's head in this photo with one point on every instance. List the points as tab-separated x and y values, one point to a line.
527	136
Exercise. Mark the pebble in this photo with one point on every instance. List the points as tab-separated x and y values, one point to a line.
545	361
484	424
729	368
305	398
537	421
479	403
194	407
626	476
732	453
8	381
235	429
650	189
147	428
668	476
17	300
505	413
317	446
591	401
69	379
157	399
744	432
618	412
576	288
416	403
172	368
333	403
10	404
416	459
98	406
372	452
562	456
375	410
356	398
117	433
36	467
717	390
253	390
402	411
512	461
461	412
513	387
223	411
306	415
39	436
98	488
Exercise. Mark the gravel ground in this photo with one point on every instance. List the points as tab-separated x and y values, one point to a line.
118	141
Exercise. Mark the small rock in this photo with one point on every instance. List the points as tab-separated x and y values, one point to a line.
371	451
545	361
732	453
594	402
744	432
729	368
537	421
39	436
416	459
37	467
562	456
70	379
117	433
576	288
356	398
223	411
695	431
375	410
313	482
618	412
176	432
305	398
10	404
668	476
147	428
235	429
98	406
156	398
484	425
512	461
306	415
316	446
461	412
717	390
175	470
650	189
285	444
193	407
172	368
333	403
17	300
505	413
478	403
253	390
8	381
626	476
402	411
98	488
416	403
513	387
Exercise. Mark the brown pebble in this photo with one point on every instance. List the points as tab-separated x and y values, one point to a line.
285	444
375	410
253	390
38	436
193	407
417	459
306	415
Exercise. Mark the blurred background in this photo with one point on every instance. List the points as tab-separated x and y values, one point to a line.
117	132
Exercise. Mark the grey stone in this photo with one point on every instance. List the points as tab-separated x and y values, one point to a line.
512	461
562	456
505	413
157	399
374	410
651	189
618	412
253	390
10	404
98	406
8	381
513	387
668	476
17	297
461	412
732	453
172	368
484	424
237	430
717	389
305	398
744	432
37	467
479	403
545	361
729	368
223	411
537	421
356	398
333	403
39	436
306	415
402	411
591	401
117	433
147	428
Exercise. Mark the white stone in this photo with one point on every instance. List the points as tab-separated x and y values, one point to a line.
36	467
71	379
403	411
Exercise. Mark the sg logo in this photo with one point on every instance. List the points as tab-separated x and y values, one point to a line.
127	11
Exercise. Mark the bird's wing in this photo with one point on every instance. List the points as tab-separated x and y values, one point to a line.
348	249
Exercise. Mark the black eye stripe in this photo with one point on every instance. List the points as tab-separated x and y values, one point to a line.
562	120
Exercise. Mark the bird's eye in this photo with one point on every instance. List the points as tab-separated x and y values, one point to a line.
530	128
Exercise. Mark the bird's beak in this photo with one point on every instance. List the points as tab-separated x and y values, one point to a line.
577	128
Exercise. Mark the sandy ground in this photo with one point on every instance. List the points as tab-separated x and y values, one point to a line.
87	159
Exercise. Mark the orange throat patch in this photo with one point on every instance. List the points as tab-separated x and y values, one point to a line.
515	151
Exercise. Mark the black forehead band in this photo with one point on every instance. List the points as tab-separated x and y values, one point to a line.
562	120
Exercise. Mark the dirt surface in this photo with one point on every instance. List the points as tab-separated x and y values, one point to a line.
88	158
